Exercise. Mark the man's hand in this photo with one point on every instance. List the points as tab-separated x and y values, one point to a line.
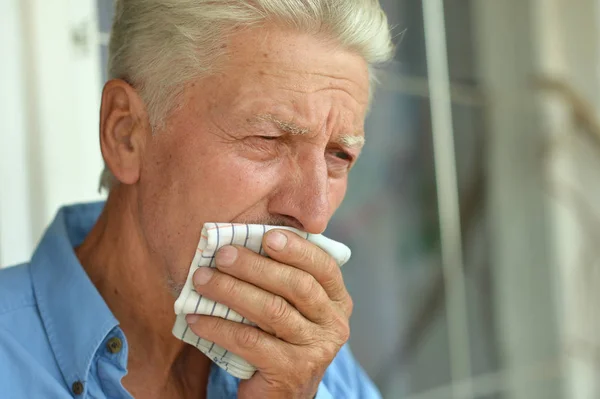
297	297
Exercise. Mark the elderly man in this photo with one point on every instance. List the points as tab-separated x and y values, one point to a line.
236	111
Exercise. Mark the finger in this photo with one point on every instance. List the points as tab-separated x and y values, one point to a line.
246	341
289	248
270	312
296	286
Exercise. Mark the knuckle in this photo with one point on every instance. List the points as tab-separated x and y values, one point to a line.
332	276
219	325
329	351
332	286
340	327
229	286
344	333
305	287
278	309
331	267
211	326
248	337
307	253
332	270
349	306
325	353
256	265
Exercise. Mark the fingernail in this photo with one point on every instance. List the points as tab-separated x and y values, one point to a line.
227	255
203	275
192	318
276	240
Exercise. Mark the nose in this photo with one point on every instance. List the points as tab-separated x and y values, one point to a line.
303	195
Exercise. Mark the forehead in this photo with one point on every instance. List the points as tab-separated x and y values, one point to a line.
295	70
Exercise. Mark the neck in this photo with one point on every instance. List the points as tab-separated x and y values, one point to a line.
135	288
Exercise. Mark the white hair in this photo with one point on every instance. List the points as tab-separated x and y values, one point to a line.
159	45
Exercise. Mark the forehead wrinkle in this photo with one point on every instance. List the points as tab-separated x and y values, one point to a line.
328	88
327	82
340	80
346	85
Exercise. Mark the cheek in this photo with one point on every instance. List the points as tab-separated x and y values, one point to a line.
215	183
186	187
168	201
242	183
165	222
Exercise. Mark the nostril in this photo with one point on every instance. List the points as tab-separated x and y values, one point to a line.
282	220
291	221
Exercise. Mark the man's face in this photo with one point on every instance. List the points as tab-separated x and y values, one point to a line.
270	139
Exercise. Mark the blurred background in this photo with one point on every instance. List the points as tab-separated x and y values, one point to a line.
473	215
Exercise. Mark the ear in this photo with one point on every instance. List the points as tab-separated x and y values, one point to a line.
124	130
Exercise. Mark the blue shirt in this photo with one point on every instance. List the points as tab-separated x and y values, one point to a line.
58	338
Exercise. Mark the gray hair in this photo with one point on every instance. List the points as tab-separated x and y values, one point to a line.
159	45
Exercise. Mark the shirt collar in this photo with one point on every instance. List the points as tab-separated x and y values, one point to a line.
75	316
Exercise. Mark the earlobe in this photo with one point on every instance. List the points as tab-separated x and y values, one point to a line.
123	130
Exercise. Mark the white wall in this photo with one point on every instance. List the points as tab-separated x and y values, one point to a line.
48	116
15	235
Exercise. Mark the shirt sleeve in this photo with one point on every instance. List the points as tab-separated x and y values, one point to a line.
345	378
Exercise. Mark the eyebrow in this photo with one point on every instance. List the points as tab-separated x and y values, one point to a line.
351	141
356	141
288	127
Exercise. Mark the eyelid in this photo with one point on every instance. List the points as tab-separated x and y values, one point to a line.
351	156
339	167
268	137
347	156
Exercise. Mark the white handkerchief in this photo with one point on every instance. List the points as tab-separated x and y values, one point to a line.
213	237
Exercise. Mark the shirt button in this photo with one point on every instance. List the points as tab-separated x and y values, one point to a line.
114	345
77	388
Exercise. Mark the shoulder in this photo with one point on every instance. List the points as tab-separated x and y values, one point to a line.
27	373
24	348
345	378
